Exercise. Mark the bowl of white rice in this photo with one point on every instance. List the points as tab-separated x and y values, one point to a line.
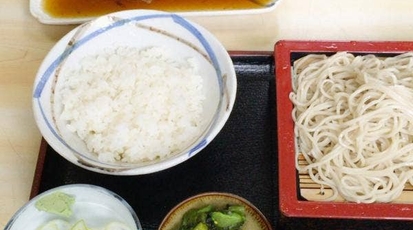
134	92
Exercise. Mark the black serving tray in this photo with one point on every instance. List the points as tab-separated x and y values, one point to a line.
242	159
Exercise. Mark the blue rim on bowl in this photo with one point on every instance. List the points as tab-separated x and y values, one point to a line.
102	31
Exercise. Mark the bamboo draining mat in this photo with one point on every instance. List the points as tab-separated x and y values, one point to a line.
312	191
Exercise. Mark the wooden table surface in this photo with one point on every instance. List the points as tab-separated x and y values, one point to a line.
24	42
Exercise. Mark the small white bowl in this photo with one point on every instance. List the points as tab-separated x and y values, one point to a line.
255	219
139	29
95	205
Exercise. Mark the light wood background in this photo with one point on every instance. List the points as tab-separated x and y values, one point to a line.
24	42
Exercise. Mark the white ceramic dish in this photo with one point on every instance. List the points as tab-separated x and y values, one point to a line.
95	205
138	29
43	16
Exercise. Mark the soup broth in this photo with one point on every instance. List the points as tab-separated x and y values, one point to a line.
93	8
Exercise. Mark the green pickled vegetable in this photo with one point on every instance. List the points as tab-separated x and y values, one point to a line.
237	209
227	220
232	217
201	226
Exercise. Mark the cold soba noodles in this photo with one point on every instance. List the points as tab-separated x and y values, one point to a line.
354	124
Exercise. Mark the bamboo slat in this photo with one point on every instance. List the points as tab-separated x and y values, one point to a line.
312	191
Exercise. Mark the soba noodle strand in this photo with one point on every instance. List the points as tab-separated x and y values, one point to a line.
354	123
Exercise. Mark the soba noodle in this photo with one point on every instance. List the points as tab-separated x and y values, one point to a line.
354	123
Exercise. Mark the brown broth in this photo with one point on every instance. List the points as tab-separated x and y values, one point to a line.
93	8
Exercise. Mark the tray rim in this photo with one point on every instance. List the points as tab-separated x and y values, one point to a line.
38	172
288	189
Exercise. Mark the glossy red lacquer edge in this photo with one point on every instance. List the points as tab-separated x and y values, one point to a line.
288	190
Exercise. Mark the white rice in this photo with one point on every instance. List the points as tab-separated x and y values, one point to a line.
133	105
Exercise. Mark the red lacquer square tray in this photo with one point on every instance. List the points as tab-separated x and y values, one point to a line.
292	203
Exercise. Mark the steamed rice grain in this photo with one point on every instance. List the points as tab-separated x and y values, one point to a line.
133	105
